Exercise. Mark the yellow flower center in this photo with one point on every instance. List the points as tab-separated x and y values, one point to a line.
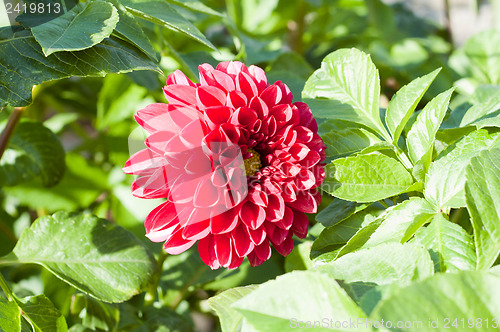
252	164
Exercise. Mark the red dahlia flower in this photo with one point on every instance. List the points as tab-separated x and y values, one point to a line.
237	162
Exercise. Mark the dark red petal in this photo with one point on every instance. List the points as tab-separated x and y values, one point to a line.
258	197
254	259
259	106
244	116
252	215
305	179
197	227
263	251
287	220
223	249
236	99
176	244
180	94
305	202
241	240
304	135
287	94
218	114
286	247
257	236
300	224
235	262
208	96
271	95
206	248
276	234
224	222
299	151
276	208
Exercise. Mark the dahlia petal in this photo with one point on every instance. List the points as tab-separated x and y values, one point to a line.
161	217
246	84
276	208
236	99
218	114
143	162
289	192
158	141
276	234
219	177
182	189
312	158
180	94
217	78
178	77
224	222
235	262
140	188
257	236
299	151
263	251
304	134
206	194
244	116
287	220
287	94
176	244
290	169
300	224
286	247
254	259
259	75
154	117
206	250
271	95
232	67
160	235
196	230
282	112
306	116
207	96
192	134
259	197
305	179
252	214
223	249
305	202
242	243
198	163
258	105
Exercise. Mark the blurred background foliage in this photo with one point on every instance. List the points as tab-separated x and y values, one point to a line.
91	119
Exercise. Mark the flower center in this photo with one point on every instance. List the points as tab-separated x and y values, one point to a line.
252	164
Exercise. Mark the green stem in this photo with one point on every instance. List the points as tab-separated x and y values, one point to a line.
6	289
151	293
9	128
404	159
383	203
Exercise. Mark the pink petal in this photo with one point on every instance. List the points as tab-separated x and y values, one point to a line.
206	194
178	77
180	94
143	162
259	75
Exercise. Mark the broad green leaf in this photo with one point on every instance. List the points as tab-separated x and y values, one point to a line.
33	152
404	102
402	221
366	178
482	111
468	295
337	235
162	320
337	211
42	315
299	259
383	264
451	247
160	12
280	304
10	316
349	76
196	6
420	138
482	52
95	314
345	142
129	29
84	26
482	189
230	318
445	181
94	255
28	66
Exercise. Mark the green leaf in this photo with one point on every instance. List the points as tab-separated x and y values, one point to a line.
450	245
43	316
337	211
420	138
337	235
482	52
10	316
345	142
404	102
401	222
28	66
84	26
160	12
349	76
162	320
94	255
445	181
299	259
129	29
195	5
33	152
482	189
79	188
482	111
230	318
467	295
95	314
280	304
383	264
366	178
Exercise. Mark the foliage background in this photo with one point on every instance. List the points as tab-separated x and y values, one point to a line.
67	151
